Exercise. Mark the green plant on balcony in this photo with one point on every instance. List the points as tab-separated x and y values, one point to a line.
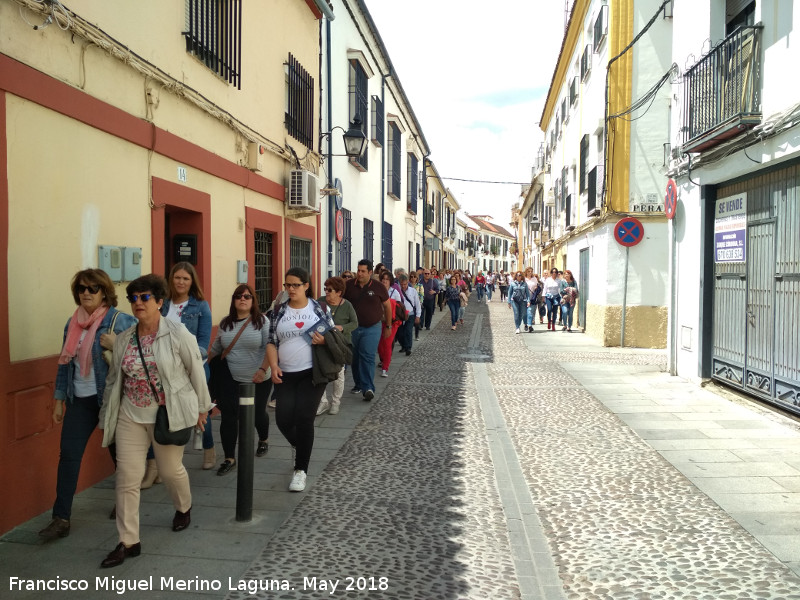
494	249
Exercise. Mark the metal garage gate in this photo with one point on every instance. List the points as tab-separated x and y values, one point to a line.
757	303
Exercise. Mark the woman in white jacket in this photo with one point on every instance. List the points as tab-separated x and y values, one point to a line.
157	361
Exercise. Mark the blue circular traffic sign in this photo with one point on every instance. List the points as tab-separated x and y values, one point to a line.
628	231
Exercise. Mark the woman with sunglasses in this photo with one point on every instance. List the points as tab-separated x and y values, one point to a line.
155	362
290	360
80	383
344	316
247	362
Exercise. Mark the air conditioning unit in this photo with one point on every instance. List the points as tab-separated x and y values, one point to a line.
550	200
303	190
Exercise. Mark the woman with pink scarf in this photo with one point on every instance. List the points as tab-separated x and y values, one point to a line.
80	382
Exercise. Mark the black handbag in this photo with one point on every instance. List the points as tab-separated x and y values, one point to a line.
161	432
221	385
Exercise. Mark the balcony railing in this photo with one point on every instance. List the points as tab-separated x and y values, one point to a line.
722	92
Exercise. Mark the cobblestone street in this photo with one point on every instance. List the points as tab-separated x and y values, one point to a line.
487	470
490	465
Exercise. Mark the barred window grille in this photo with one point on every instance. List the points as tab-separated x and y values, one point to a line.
386	250
584	163
591	188
395	176
359	105
377	121
263	268
345	255
300	254
413	181
299	103
214	35
368	239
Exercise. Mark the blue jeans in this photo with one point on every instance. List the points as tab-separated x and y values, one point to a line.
365	345
553	306
519	312
489	290
481	289
453	305
80	420
566	315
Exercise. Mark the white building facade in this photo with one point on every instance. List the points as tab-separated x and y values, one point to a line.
735	163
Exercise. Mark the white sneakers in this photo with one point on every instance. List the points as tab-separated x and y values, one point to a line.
517	331
298	482
334	409
384	373
324	406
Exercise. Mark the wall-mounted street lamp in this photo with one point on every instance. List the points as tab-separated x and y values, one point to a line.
535	224
354	139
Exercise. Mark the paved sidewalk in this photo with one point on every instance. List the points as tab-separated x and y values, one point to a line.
490	465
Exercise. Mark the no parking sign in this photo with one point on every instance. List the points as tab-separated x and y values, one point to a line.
628	232
671	199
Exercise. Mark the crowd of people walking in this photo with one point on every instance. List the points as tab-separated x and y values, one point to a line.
151	379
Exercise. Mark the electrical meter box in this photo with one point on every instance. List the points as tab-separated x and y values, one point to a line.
109	258
131	263
185	247
241	271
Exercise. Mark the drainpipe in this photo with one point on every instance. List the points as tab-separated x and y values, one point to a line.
383	158
424	203
331	205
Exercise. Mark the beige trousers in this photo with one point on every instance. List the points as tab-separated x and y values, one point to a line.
133	440
337	386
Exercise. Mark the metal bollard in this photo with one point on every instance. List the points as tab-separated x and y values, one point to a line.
244	476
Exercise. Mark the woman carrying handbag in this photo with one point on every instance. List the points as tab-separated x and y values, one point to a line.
156	362
242	339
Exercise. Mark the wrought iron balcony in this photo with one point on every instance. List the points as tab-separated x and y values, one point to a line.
722	91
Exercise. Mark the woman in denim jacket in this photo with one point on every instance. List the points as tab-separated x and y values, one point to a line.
80	382
519	299
186	304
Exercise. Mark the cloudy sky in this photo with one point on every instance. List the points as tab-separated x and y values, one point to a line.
476	74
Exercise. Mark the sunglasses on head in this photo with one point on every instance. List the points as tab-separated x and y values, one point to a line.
132	298
92	289
292	286
240	296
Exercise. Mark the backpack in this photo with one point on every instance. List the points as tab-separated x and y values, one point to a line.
519	294
400	312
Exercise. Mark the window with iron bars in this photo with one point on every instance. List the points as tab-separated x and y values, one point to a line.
359	105
584	163
345	255
395	176
377	122
413	181
214	35
263	268
300	254
368	239
386	251
299	117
